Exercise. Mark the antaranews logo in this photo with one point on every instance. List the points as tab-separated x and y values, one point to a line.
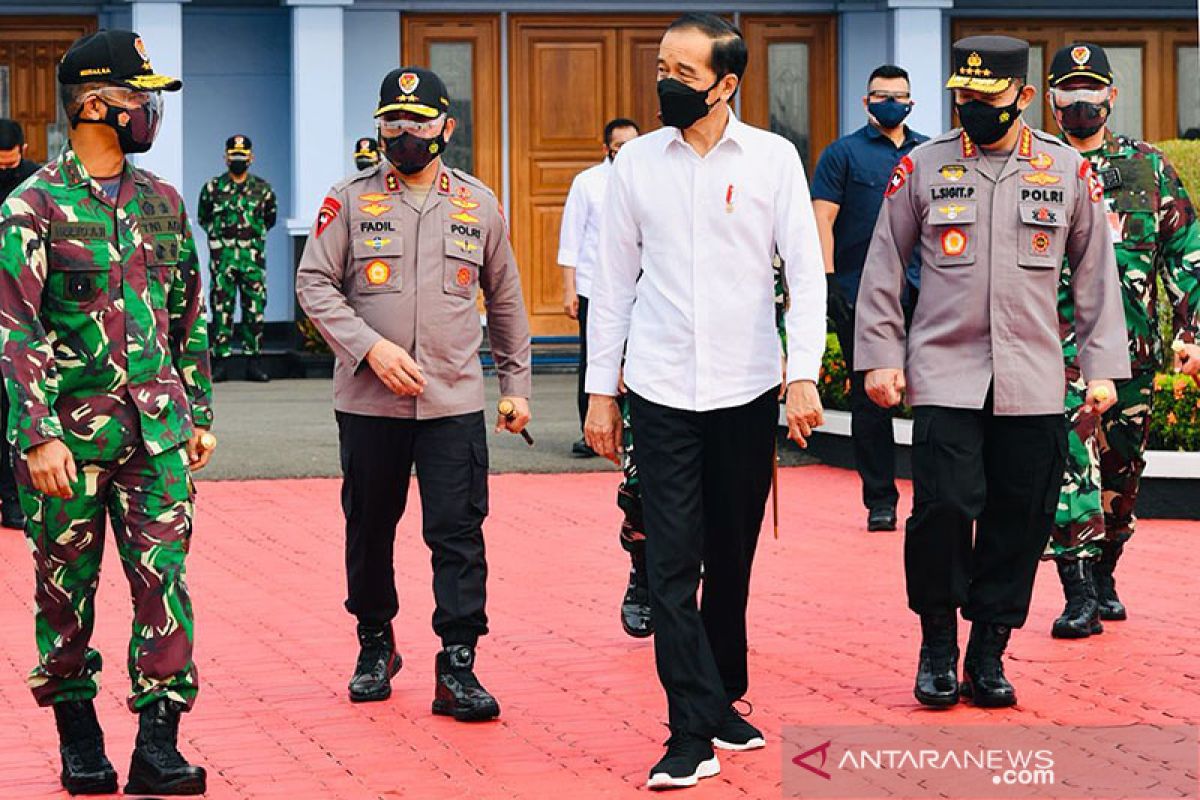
1001	761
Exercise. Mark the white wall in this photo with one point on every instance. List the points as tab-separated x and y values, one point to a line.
372	50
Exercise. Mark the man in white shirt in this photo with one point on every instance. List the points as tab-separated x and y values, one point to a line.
693	217
578	239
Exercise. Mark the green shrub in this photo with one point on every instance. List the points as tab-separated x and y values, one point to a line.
1175	424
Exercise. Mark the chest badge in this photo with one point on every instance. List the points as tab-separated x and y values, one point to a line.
1044	214
465	246
954	242
1040	243
378	272
377	243
1041	178
463	278
374	197
375	209
464	217
953	172
466	204
952	211
1041	161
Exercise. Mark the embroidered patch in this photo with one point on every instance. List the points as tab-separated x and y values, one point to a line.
463	216
899	176
953	172
409	82
378	272
328	213
377	243
444	184
952	211
954	242
1041	243
1041	161
1081	55
464	277
1095	188
375	209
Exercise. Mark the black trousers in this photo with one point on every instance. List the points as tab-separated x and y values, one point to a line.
581	396
705	478
378	454
871	433
985	488
8	479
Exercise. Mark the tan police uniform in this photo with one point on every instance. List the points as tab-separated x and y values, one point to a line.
983	361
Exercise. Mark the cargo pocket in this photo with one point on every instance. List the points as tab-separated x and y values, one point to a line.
923	460
953	226
77	281
460	273
1059	467
479	478
1041	232
377	264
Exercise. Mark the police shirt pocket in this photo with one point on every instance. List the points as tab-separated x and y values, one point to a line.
460	273
952	222
1041	235
377	261
77	279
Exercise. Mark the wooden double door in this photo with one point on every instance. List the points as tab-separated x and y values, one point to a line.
567	76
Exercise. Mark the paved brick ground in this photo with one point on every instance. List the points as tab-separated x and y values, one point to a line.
832	644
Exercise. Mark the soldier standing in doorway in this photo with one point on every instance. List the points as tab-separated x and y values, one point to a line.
236	211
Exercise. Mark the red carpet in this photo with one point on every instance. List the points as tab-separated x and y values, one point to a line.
831	639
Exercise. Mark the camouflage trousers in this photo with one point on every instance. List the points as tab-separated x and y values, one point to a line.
1105	459
237	271
629	493
149	499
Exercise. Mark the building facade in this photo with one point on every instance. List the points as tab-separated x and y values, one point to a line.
533	83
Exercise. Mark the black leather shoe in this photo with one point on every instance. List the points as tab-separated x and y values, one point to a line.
255	372
220	370
635	607
1111	607
11	515
85	767
983	668
157	766
1081	616
937	668
378	662
882	519
688	759
459	693
582	449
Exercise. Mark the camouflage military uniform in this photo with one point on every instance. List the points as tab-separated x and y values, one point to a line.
105	348
629	493
236	218
1156	234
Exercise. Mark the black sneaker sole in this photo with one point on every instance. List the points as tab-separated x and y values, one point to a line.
445	708
936	701
383	694
705	769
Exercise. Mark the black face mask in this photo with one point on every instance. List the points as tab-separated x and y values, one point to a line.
410	154
1083	120
136	127
238	167
682	106
987	124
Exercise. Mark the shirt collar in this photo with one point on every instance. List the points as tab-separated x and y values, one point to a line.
75	174
735	132
875	133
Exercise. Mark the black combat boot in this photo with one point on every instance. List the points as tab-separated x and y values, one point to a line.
983	668
85	768
378	662
635	607
1081	617
255	372
1111	607
459	693
937	669
157	766
220	369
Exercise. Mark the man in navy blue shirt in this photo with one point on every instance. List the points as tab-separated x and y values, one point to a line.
851	176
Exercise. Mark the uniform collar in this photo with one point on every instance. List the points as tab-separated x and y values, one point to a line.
394	183
76	175
1024	144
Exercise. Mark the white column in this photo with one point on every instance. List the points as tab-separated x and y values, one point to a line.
160	24
318	106
919	45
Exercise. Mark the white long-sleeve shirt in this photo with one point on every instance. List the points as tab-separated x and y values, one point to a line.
579	234
685	271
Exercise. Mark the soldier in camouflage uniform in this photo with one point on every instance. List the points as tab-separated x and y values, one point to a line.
236	211
105	361
1156	235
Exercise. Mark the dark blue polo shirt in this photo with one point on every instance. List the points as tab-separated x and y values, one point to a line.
853	172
